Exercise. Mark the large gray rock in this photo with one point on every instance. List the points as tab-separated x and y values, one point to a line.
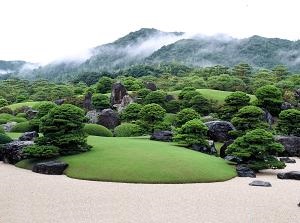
87	103
59	101
9	126
30	114
28	136
92	116
287	160
268	118
234	159
12	152
109	118
286	105
245	171
117	93
219	130
291	145
50	167
151	86
292	175
165	136
260	183
210	149
125	102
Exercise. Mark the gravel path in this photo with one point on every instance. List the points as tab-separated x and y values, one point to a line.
29	197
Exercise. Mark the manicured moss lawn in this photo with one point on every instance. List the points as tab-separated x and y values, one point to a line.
211	94
19	105
138	160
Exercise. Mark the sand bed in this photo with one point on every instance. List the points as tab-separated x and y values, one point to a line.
29	197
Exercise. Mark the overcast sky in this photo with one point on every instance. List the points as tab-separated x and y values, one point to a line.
44	30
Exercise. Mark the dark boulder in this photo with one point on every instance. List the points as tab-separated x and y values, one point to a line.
287	160
224	148
151	86
169	97
244	171
260	183
50	167
210	149
117	93
165	136
233	159
28	136
12	152
59	101
219	130
292	175
268	118
87	102
291	145
109	118
30	114
286	105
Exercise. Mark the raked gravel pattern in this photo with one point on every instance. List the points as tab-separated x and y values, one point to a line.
29	197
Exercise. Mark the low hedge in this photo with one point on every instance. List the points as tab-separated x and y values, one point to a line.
128	130
22	127
4	138
97	130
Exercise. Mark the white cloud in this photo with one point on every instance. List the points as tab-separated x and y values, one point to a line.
41	31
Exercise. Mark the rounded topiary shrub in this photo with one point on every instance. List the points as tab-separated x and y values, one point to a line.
22	127
4	138
21	115
2	129
3	121
41	151
18	119
6	110
6	116
97	130
128	130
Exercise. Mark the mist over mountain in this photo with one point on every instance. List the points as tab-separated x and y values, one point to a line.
151	46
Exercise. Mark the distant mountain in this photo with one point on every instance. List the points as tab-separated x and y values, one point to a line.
151	46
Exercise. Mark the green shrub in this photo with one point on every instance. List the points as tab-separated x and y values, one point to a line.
4	138
3	121
21	115
131	112
192	132
127	130
22	127
100	101
44	108
41	152
6	116
2	129
257	149
270	98
3	102
173	106
185	115
97	130
6	110
63	127
150	115
18	119
249	118
289	122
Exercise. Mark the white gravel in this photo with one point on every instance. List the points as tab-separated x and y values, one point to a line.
29	197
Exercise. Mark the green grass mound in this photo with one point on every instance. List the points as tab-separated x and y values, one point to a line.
22	127
135	160
22	104
215	95
128	130
97	130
